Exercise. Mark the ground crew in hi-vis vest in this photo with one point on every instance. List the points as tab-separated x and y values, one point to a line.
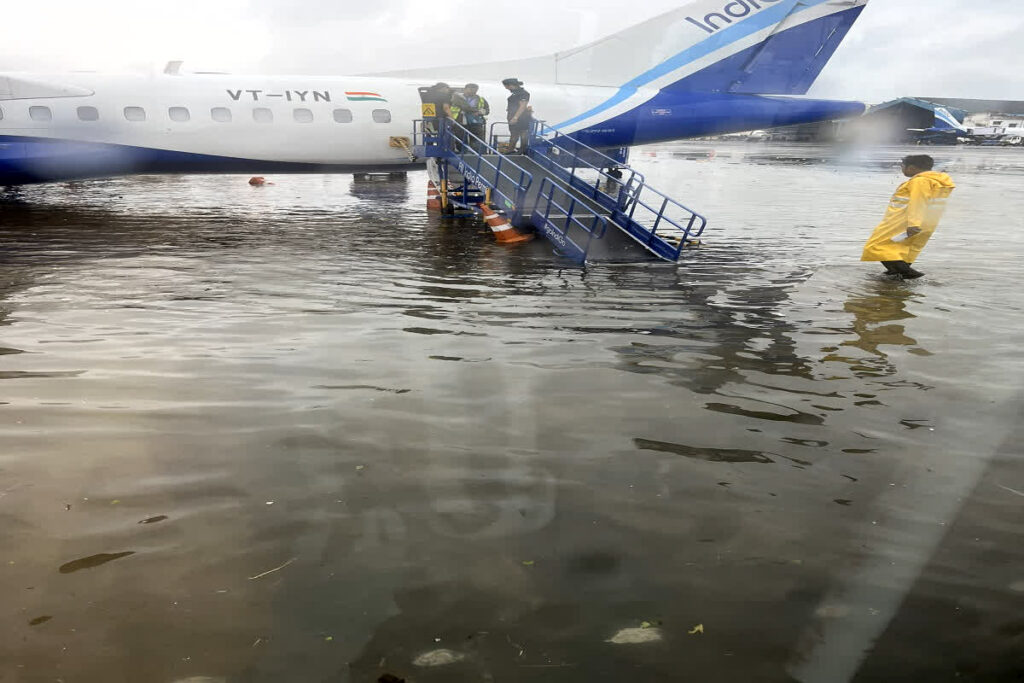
914	213
471	110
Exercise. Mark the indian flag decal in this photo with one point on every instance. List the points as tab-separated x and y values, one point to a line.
364	97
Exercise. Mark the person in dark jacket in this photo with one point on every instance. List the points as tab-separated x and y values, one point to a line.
520	115
440	95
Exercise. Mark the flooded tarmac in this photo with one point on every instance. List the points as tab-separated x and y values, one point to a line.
308	432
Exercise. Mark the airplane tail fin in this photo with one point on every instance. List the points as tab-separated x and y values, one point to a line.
740	46
944	120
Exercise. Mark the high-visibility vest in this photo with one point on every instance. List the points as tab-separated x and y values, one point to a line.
483	106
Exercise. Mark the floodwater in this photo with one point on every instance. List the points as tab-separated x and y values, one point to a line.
308	432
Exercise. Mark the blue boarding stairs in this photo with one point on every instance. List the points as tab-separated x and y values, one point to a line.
590	205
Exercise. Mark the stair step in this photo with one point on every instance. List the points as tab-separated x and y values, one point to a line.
594	205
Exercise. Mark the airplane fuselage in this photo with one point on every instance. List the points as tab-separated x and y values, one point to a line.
695	71
240	124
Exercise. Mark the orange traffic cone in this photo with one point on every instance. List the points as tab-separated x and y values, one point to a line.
433	197
503	230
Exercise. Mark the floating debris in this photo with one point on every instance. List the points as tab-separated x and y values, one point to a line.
438	658
636	636
271	571
698	629
1007	488
39	620
154	520
91	562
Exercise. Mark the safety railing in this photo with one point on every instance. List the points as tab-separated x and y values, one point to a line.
508	181
558	217
497	138
662	224
584	168
654	219
657	221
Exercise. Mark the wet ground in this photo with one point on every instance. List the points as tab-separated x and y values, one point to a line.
308	432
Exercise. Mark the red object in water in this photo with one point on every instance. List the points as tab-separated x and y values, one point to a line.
257	181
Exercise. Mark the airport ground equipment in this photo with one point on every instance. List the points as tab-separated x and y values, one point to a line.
591	205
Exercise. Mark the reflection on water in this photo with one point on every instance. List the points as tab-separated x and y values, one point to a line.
872	314
308	432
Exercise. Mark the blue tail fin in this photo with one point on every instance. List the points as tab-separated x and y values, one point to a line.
787	60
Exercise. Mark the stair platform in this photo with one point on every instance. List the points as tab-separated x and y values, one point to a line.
587	204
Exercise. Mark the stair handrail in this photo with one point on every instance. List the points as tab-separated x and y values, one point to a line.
694	225
544	131
554	139
457	142
546	197
631	195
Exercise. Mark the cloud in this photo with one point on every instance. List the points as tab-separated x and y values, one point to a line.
899	47
940	48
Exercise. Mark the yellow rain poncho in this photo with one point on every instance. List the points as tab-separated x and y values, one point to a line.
918	203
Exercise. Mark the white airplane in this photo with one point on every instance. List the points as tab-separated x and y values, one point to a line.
712	66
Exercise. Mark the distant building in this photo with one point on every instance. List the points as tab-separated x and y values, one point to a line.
898	121
988	117
895	121
901	120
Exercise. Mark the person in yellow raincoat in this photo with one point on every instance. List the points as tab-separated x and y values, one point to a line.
914	213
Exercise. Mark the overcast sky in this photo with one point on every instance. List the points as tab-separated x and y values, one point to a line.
950	48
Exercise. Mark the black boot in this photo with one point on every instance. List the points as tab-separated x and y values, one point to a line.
905	270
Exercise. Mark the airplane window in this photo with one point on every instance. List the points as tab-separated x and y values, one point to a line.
135	113
303	116
343	115
40	113
262	115
179	114
382	116
221	114
88	114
